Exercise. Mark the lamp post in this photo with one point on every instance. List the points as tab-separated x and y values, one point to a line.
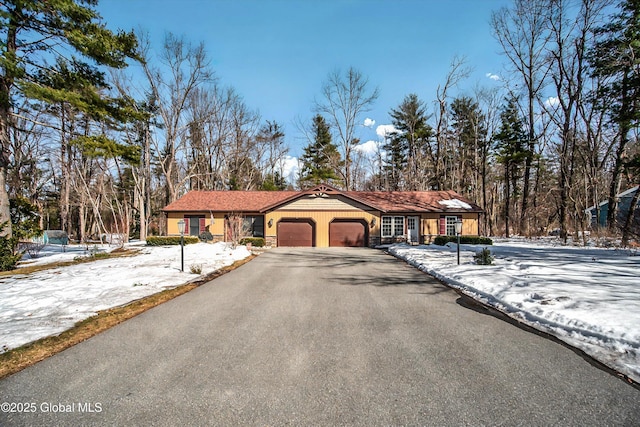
181	229
458	232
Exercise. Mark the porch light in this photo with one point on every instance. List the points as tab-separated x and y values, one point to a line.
270	223
373	222
458	227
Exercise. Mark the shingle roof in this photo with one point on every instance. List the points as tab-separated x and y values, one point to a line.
416	201
385	201
227	201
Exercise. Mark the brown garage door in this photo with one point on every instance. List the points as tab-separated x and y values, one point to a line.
295	233
348	233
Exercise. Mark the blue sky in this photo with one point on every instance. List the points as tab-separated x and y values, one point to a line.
277	53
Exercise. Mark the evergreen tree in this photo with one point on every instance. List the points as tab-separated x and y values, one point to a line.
74	93
29	28
616	58
274	182
321	158
395	161
510	145
408	149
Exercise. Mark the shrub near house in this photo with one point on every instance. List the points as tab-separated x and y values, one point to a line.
170	240
464	240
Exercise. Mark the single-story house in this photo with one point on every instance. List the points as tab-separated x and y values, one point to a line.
598	214
324	216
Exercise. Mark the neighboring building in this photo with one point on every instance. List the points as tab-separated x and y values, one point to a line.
598	214
324	216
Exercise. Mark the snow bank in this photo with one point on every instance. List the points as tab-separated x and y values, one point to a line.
588	298
51	301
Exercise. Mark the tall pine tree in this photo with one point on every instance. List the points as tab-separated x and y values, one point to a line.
408	147
470	135
510	145
616	58
321	158
34	31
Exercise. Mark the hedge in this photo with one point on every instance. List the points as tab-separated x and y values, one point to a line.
170	240
258	242
464	240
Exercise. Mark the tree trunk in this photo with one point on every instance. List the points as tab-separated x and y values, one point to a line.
628	223
616	174
507	198
6	83
522	225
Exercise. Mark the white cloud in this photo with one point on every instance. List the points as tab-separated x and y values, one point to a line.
290	167
384	131
368	148
552	101
493	76
369	122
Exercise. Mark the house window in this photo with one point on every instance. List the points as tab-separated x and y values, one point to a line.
392	226
194	224
451	225
253	226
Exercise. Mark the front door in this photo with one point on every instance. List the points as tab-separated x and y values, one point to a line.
413	229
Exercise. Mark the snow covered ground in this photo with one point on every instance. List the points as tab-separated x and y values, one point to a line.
587	297
51	301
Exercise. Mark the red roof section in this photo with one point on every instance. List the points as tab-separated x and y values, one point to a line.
259	201
413	201
227	201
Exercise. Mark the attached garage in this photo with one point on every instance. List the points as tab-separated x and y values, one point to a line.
348	233
324	216
296	232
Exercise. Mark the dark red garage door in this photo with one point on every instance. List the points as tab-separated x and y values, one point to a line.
296	233
348	233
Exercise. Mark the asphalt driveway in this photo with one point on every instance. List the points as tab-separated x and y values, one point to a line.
318	337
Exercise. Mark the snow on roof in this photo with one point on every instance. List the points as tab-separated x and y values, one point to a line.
455	204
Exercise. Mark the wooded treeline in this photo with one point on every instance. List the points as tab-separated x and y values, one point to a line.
98	148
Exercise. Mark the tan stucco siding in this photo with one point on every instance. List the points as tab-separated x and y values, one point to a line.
431	224
321	220
214	220
327	203
470	226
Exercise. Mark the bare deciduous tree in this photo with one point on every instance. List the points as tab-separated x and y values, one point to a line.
457	72
344	99
185	68
522	31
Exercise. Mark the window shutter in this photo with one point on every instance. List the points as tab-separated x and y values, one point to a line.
443	225
186	226
202	224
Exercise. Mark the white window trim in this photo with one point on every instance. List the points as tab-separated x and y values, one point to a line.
447	224
394	220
